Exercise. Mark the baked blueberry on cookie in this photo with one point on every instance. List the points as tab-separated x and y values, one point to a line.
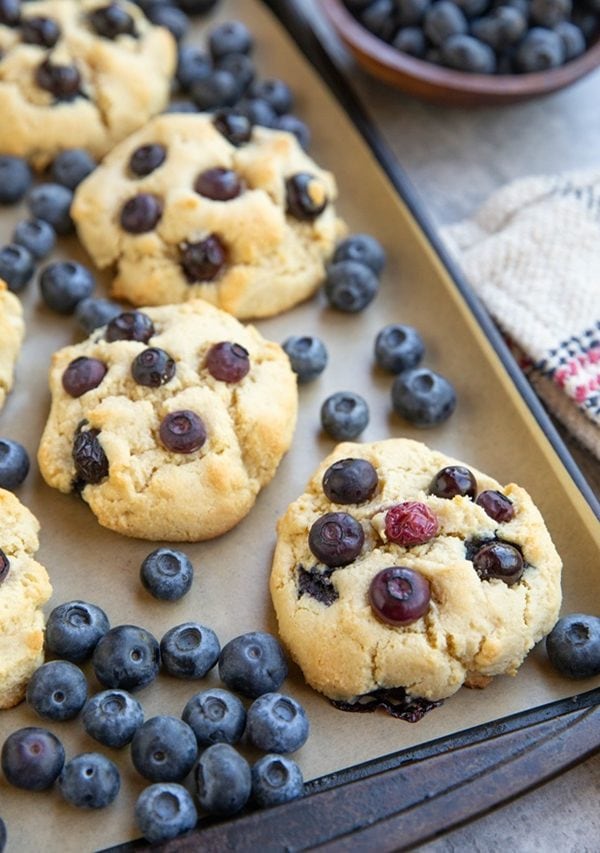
169	421
24	589
82	73
12	330
209	206
401	570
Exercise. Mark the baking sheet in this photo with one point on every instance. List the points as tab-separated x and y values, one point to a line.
492	429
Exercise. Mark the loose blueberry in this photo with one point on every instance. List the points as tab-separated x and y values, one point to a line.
146	159
182	432
253	664
130	326
257	112
277	723
399	596
64	284
378	17
398	348
57	691
350	286
153	367
41	31
410	40
192	66
189	650
573	645
37	236
82	375
90	781
14	464
307	355
496	505
336	538
452	481
180	107
223	780
218	89
71	167
363	249
93	313
112	21
141	213
10	12
32	758
499	561
112	717
292	124
350	481
15	179
410	12
344	415
164	749
74	629
572	39
227	362
234	126
16	266
215	716
229	37
52	203
164	811
423	397
89	458
275	92
540	50
204	260
170	17
167	574
502	28
276	779
219	184
410	523
442	20
242	68
126	657
62	81
306	196
465	53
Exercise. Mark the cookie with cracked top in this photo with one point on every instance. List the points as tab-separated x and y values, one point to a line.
245	220
12	330
80	73
169	422
24	589
439	590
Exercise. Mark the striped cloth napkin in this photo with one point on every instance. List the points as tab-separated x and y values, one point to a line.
532	254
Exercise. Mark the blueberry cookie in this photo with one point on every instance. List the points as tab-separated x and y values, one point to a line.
24	589
12	330
401	568
192	206
169	421
79	73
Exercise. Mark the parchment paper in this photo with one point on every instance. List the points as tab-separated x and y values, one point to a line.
492	429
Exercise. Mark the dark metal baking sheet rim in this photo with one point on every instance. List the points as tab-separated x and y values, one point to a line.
534	731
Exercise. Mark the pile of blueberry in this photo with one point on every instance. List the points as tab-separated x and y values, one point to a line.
164	749
484	36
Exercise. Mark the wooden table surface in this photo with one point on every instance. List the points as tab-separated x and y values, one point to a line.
455	158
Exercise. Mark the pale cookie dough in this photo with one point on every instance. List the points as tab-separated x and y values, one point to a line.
473	628
24	589
273	260
12	330
123	81
146	490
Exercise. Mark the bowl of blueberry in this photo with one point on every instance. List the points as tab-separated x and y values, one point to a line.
471	52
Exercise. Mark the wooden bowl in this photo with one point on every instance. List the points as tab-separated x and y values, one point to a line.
444	85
